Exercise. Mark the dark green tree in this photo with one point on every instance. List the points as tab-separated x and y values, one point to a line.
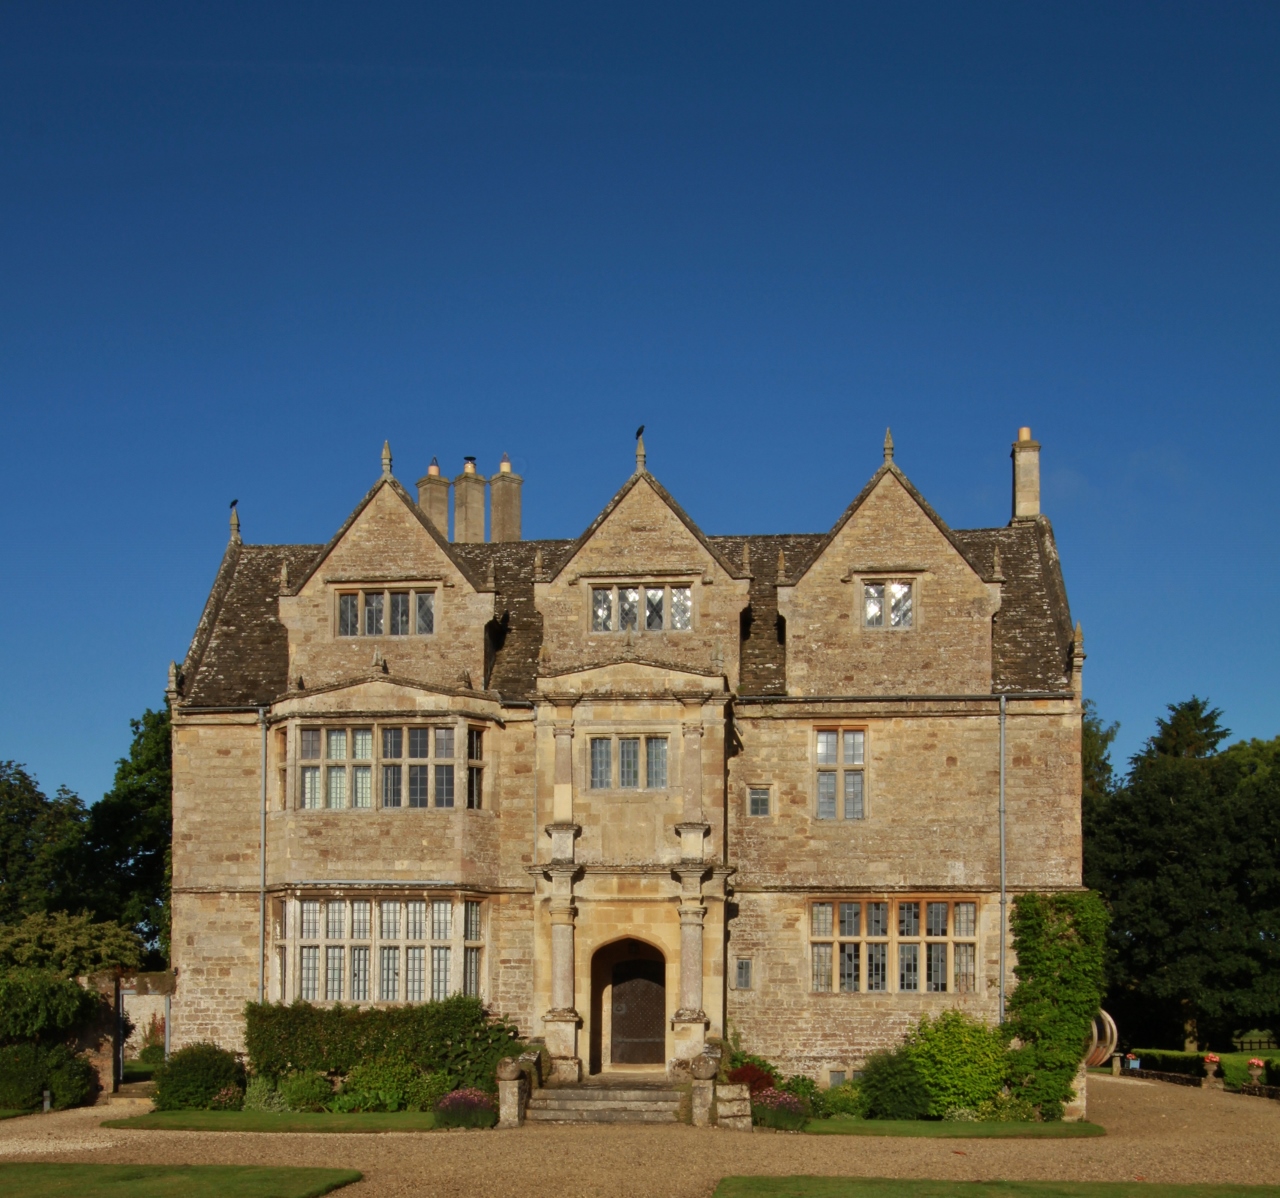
1187	856
127	840
1192	730
1098	774
40	840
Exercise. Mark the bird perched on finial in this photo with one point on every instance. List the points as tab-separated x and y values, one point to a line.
235	523
640	432
640	450
234	502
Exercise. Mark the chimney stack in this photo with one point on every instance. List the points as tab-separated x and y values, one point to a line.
433	498
1026	476
504	503
468	505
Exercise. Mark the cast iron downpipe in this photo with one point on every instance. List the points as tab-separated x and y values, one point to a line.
1004	897
262	875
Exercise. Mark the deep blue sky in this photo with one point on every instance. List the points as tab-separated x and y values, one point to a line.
239	248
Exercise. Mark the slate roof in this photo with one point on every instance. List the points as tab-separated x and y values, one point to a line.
239	655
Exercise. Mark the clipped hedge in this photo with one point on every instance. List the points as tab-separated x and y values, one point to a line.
454	1037
27	1070
1060	941
1164	1060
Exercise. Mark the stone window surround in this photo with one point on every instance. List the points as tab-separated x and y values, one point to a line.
654	578
291	795
287	918
840	767
412	588
747	790
614	733
913	575
892	940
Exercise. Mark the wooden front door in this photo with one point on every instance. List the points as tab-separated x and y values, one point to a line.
639	1013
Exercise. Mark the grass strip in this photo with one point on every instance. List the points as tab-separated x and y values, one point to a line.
170	1181
877	1187
14	1114
843	1125
269	1121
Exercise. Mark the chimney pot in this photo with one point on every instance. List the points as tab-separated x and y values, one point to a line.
504	503
434	468
1026	476
468	505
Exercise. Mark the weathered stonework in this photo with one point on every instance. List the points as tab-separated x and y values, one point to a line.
625	903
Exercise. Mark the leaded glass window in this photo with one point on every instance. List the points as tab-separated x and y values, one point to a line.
965	968
908	967
391	778
827	742
877	919
935	919
416	919
908	919
335	920
348	615
336	787
744	973
440	966
426	613
681	608
444	742
820	919
333	960
362	744
310	919
845	748
309	973
900	605
419	742
359	975
373	612
392	742
418	781
310	786
873	605
389	915
935	967
471	971
966	919
444	785
360	919
853	794
849	968
653	609
822	967
361	786
629	763
471	920
758	800
414	975
628	609
850	918
877	967
655	749
601	609
399	613
309	747
336	744
601	763
389	987
826	794
441	919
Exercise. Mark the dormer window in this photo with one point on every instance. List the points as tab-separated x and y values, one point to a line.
662	608
386	613
894	599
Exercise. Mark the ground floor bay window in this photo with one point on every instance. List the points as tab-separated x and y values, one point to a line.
378	949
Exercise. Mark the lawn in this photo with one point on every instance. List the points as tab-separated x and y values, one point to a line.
875	1187
14	1114
268	1121
136	1071
170	1181
844	1125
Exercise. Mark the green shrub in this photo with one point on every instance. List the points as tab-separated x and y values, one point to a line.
467	1107
1271	1077
261	1095
1060	942
893	1087
1167	1061
194	1076
229	1098
152	1054
28	1070
962	1060
806	1089
36	1004
390	1086
454	1037
1003	1108
844	1099
306	1091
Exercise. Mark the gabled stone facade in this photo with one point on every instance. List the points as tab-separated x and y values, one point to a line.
634	790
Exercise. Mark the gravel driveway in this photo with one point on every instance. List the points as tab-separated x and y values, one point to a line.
1156	1132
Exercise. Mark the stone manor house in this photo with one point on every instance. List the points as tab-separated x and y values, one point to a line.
635	789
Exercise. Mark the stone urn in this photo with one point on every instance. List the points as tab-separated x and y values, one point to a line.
704	1068
509	1070
1255	1072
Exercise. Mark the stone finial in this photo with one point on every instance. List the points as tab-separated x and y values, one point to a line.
173	688
746	557
782	566
888	446
640	455
235	523
284	575
1077	642
491	578
997	574
704	1068
386	458
537	564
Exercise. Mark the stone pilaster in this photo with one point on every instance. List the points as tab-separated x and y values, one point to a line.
689	1023
562	1021
692	828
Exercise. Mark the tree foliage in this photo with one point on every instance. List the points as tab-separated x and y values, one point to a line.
1187	856
68	945
1060	941
1097	773
962	1060
40	845
128	835
36	1005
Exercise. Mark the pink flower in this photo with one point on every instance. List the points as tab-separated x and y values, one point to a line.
1211	1058
1128	1056
1257	1064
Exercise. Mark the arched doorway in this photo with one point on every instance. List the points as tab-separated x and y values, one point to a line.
628	1006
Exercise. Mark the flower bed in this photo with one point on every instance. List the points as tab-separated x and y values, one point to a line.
778	1109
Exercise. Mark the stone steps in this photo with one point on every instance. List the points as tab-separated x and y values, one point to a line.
604	1104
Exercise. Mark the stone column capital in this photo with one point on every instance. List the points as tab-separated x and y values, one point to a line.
692	916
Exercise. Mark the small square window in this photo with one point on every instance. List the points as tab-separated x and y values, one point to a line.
426	612
744	973
758	800
836	1077
373	621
